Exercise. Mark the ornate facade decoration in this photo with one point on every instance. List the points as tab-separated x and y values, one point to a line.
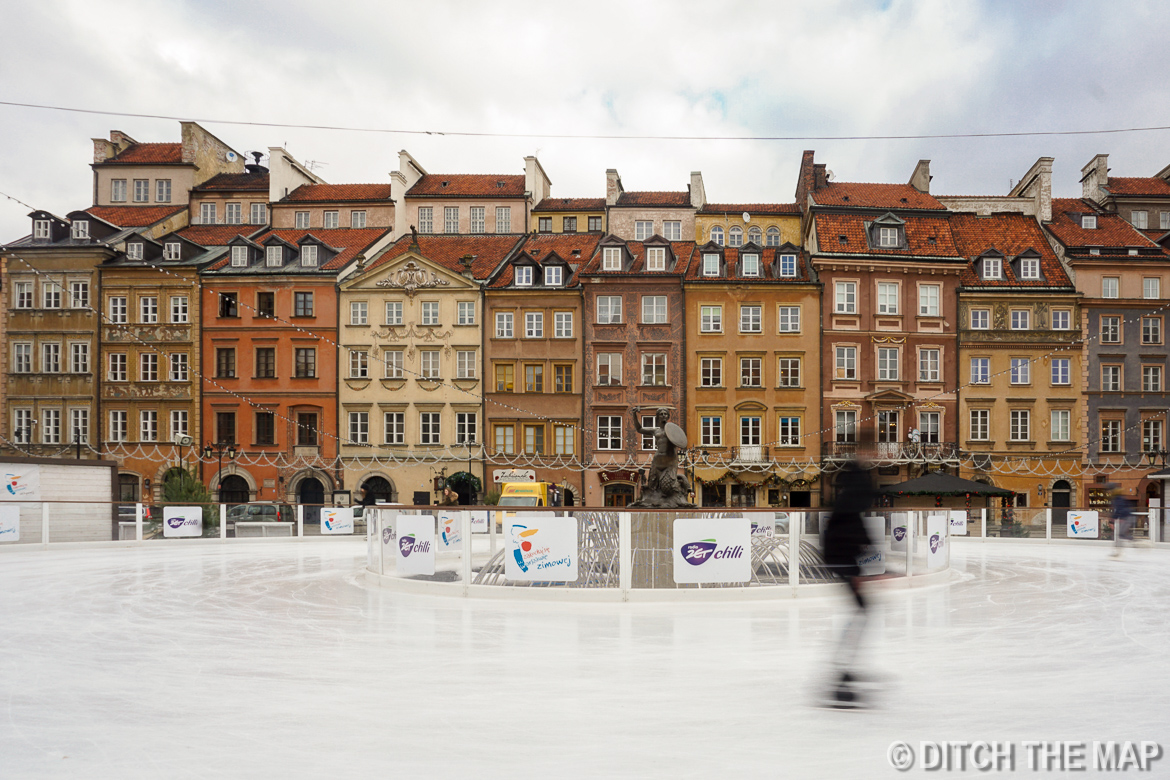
411	278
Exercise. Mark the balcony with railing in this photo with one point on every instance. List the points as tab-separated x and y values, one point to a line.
893	451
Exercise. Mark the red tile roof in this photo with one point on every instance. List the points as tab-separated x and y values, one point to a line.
731	260
236	181
150	154
468	185
446	250
683	252
216	235
876	196
1111	230
1147	186
661	199
1011	235
563	244
570	204
919	231
751	208
351	242
335	193
134	216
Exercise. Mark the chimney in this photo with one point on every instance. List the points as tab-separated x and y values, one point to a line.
1094	177
820	177
1037	185
920	179
805	179
466	261
698	193
613	186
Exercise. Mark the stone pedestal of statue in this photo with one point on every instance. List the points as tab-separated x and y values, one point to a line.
653	556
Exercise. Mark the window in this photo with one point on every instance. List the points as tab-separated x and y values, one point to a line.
787	265
118	190
142	190
23	292
609	432
504	377
1061	319
710	265
1151	330
1152	434
553	276
928	300
789	431
654	369
301	220
306	429
392	359
179	309
51	358
1152	287
265	428
656	258
1060	427
928	365
1110	379
609	309
80	230
118	309
654	309
563	379
503	219
643	229
148	309
789	372
1061	371
711	431
426	219
465	364
710	319
845	300
1021	420
609	368
888	236
207	213
331	220
846	425
564	440
429	363
225	362
611	259
119	426
1140	219
172	250
504	324
980	424
993	268
1109	287
1111	330
162	190
79	357
563	324
394	427
1021	371
51	295
647	439
78	295
22	425
710	372
148	425
359	427
789	319
359	364
595	225
305	363
533	325
393	312
274	256
534	379
1111	436
134	250
466	428
450	219
523	275
239	256
1164	220
846	363
1089	221
178	369
533	439
887	363
303	304
266	304
980	371
259	214
309	255
751	372
359	312
429	428
1021	319
672	230
1030	268
751	319
117	367
717	235
233	214
22	358
477	219
503	439
1151	379
79	426
887	297
930	427
774	239
465	312
756	236
735	237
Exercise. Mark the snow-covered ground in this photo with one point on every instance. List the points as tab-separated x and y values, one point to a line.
256	661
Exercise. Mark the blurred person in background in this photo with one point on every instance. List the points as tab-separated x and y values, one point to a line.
1122	509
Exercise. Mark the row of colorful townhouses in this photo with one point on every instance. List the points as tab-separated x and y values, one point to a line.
294	339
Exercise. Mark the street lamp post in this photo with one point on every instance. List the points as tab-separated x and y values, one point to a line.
219	448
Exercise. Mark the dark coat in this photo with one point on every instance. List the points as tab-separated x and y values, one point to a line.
845	535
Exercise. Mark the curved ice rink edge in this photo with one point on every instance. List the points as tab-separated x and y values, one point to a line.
278	661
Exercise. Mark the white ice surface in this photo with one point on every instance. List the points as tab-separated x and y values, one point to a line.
257	661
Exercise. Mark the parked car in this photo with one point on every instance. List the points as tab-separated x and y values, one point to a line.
261	511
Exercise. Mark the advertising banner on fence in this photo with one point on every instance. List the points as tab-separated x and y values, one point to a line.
337	520
541	549
449	533
873	559
899	526
22	482
479	521
710	549
958	522
9	524
416	544
182	521
763	526
936	540
1083	525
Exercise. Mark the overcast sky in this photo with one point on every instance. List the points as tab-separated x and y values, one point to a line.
829	68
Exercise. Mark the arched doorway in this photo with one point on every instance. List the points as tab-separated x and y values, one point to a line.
619	494
233	489
311	493
567	497
381	488
1061	501
128	487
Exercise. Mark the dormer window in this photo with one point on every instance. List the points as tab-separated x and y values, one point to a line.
717	235
1029	268
788	265
993	268
656	258
710	265
1094	251
751	265
553	276
888	237
887	232
173	251
611	259
735	237
239	256
523	276
1089	221
309	255
134	250
40	228
80	229
274	256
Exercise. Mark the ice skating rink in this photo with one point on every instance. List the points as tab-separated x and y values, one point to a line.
280	660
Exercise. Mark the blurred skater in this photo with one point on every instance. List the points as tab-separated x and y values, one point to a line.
845	540
1123	520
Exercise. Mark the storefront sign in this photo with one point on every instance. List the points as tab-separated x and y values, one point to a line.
1083	525
337	520
618	476
712	549
541	548
182	521
415	548
513	475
